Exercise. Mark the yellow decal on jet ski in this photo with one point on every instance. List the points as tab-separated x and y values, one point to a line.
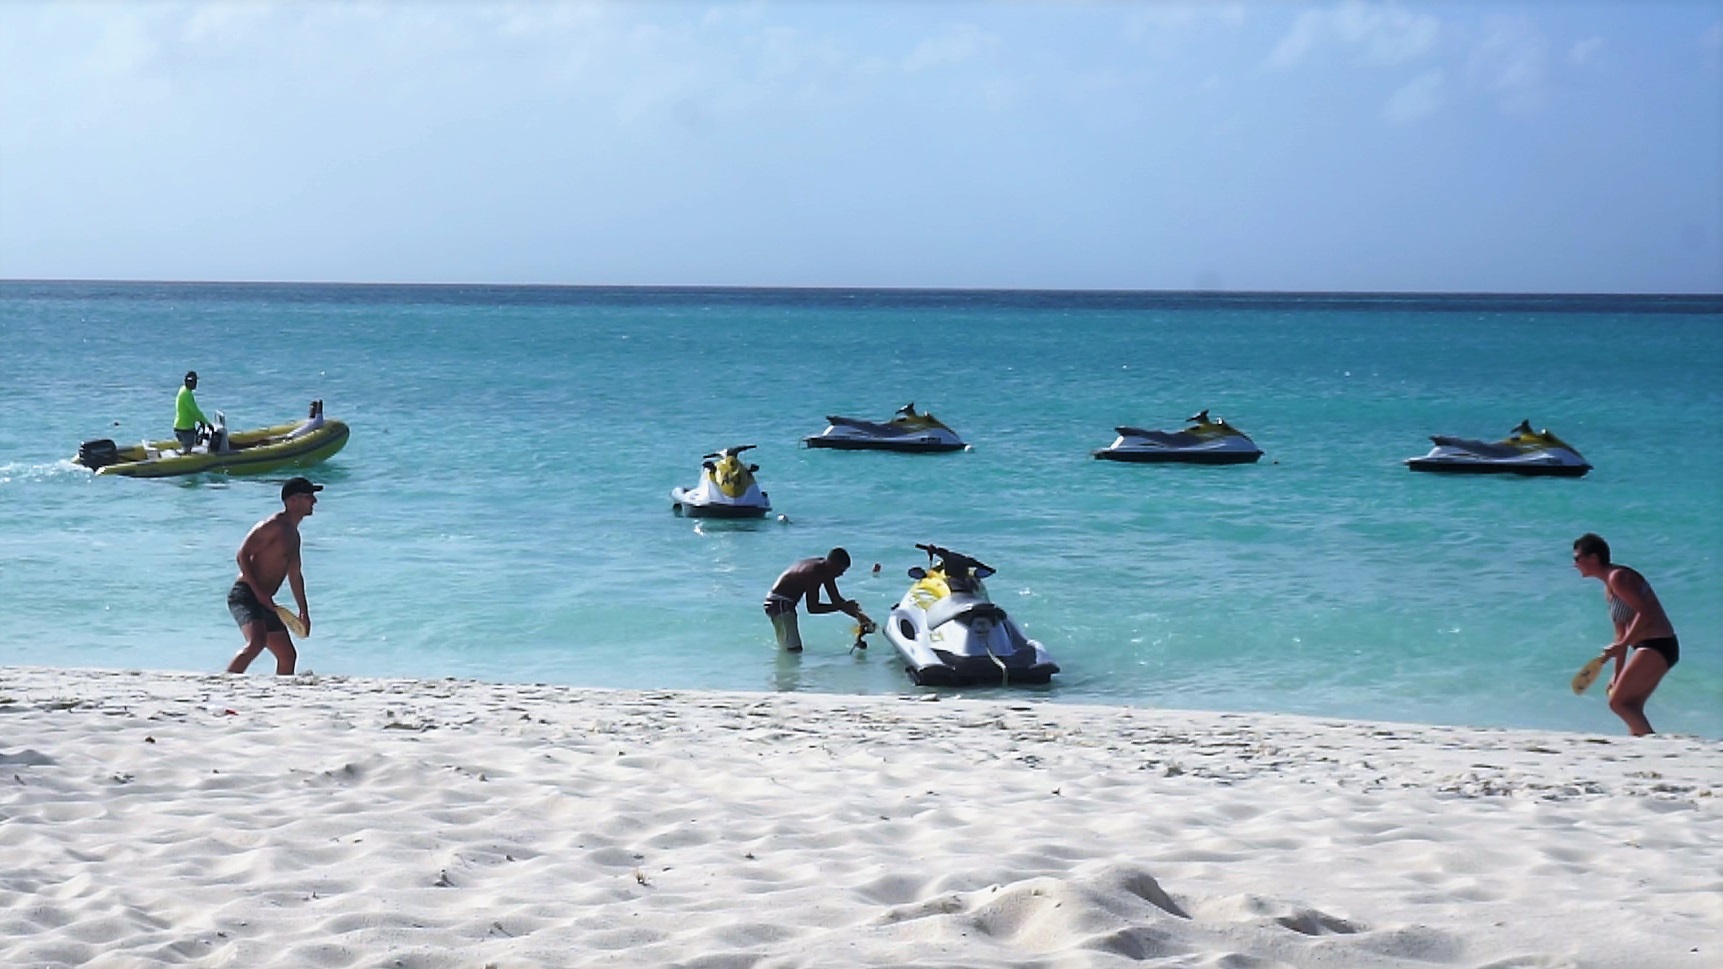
910	420
917	422
930	589
731	476
1205	427
1526	439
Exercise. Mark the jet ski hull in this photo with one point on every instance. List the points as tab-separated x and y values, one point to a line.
1533	454
1528	468
982	671
1205	442
962	639
1135	455
907	445
908	432
690	503
727	489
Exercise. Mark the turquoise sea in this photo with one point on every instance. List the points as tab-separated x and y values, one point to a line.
502	511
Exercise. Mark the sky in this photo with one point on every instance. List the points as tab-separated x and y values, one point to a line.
1543	146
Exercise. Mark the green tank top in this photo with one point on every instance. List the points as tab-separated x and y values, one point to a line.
186	414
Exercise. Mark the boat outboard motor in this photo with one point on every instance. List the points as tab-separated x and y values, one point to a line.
98	453
214	436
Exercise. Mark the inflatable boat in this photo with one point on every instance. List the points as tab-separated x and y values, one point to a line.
297	445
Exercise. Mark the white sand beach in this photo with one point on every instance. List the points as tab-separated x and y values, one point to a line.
158	818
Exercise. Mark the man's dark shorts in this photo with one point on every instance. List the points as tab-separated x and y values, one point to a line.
242	602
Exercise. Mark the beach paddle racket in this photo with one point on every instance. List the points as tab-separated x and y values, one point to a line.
290	619
863	627
1587	675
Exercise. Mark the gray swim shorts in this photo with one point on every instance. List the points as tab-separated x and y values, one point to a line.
242	602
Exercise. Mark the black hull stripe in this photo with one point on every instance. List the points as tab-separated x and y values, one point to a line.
912	447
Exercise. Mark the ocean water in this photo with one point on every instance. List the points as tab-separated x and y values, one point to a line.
502	510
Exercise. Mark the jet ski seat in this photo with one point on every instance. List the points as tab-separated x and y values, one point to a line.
1166	438
869	427
962	607
1483	449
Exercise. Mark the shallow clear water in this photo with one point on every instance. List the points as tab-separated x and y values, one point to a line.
502	511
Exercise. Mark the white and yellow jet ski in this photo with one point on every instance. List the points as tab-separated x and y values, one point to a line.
1524	451
1205	442
950	634
906	431
727	488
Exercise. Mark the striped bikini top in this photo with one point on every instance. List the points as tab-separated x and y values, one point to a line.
1619	611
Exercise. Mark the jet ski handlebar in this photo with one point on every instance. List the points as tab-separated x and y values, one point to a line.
956	560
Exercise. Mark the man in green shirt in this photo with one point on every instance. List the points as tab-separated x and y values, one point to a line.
187	417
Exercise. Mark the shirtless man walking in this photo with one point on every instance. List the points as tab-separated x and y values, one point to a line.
802	580
269	554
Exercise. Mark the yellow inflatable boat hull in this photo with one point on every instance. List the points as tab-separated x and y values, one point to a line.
258	451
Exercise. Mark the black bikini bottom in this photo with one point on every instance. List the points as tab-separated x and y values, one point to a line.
1664	646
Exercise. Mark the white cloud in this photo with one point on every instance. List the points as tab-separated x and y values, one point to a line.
1307	32
753	12
538	19
958	43
1381	33
1582	52
226	24
1416	100
1511	64
1161	19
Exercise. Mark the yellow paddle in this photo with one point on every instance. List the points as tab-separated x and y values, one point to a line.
290	619
863	627
1587	675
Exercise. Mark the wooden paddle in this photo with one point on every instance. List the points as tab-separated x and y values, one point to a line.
1587	675
290	619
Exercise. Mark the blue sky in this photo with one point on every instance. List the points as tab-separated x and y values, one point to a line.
1543	146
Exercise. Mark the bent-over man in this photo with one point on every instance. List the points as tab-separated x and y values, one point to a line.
270	554
802	580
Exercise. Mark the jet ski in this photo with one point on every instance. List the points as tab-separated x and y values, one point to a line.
1524	451
727	488
949	634
1206	442
906	431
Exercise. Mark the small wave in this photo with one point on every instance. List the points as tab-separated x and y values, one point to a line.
20	472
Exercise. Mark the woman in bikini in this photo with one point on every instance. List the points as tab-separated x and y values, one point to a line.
1640	625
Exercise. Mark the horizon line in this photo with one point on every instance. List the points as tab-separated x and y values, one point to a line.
811	288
